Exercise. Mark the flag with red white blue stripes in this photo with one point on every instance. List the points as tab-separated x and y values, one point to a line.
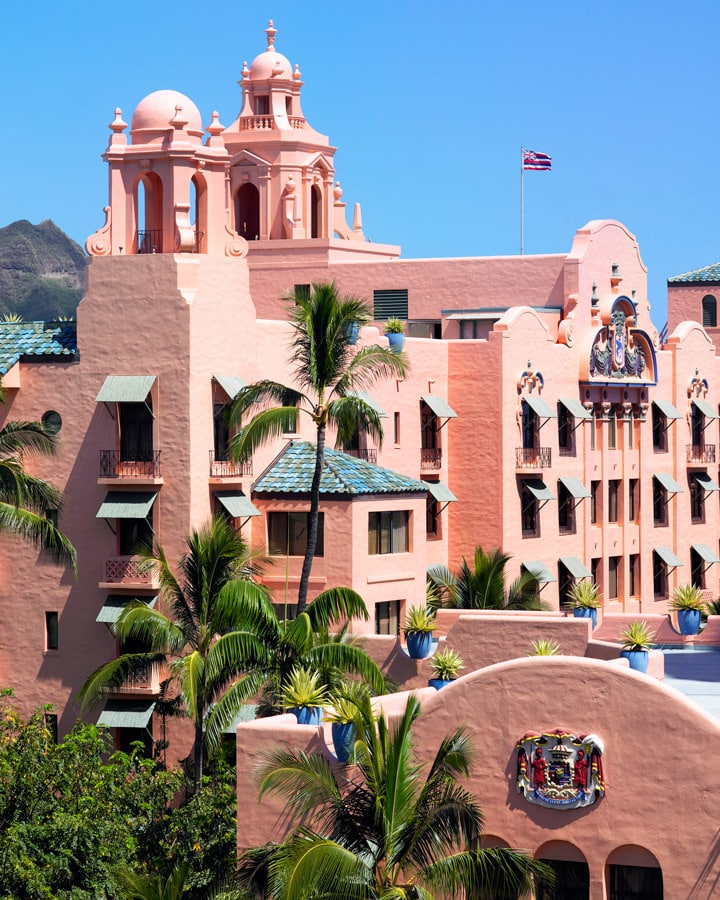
536	162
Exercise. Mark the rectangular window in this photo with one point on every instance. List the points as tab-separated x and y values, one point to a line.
660	588
593	430
630	432
595	571
659	503
634	574
302	291
613	497
134	534
594	502
612	429
288	533
633	499
390	304
528	511
565	428
388	532
566	510
613	576
51	630
432	517
659	430
697	569
396	427
697	500
387	617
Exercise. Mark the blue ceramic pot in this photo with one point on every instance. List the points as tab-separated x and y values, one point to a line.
688	621
586	612
343	736
351	332
438	683
419	644
307	715
396	341
638	659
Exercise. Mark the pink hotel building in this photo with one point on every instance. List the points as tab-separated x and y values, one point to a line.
543	415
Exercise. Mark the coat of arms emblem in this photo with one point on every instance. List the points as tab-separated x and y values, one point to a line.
560	769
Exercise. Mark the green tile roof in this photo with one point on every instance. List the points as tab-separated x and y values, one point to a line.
292	471
34	339
708	273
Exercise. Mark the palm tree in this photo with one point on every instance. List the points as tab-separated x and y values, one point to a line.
28	503
483	585
197	640
387	827
329	372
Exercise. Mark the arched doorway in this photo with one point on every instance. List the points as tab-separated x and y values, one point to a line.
247	212
572	874
633	873
149	213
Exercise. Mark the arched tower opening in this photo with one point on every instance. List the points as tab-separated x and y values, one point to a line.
198	210
247	212
149	213
315	211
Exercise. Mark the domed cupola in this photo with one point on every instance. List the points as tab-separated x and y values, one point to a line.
162	113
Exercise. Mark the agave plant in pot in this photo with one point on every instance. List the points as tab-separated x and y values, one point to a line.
446	666
637	641
544	647
585	599
688	602
304	695
343	714
419	626
395	333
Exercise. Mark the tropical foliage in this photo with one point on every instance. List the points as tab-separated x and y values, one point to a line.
329	373
687	596
447	664
544	647
637	636
483	585
585	595
387	828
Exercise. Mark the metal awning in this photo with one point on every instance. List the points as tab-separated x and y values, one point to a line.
539	571
370	402
538	489
575	567
667	409
125	388
476	316
126	505
440	491
115	604
237	504
231	384
440	407
668	557
669	483
575	487
575	408
705	408
706	482
247	713
705	553
126	714
539	407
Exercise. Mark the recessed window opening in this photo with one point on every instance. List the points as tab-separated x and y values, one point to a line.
388	532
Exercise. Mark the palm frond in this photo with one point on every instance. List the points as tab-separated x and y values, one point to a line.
496	872
112	675
351	416
151	627
39	531
334	606
369	366
26	438
263	427
305	780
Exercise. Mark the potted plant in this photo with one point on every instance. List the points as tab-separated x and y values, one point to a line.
637	640
544	647
687	601
419	626
343	713
446	667
304	695
585	599
395	332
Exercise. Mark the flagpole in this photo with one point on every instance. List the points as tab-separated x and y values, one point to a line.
522	202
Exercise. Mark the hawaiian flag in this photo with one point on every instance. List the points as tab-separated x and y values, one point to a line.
536	162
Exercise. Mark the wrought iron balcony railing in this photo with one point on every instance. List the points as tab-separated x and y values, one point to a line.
220	468
366	453
112	466
533	457
701	453
149	241
430	457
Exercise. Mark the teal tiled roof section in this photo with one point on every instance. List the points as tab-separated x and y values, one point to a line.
36	339
707	273
292	471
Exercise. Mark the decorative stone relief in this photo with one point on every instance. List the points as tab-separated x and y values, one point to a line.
559	769
615	353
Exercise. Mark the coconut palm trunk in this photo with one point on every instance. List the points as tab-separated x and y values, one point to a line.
314	521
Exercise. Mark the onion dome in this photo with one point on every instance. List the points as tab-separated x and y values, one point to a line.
161	111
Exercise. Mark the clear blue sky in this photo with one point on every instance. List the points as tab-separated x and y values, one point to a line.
428	103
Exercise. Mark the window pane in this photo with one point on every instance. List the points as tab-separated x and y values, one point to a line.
388	532
288	533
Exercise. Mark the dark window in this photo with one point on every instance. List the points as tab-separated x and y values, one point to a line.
634	575
594	502
396	427
432	517
697	426
613	500
52	421
529	427
635	883
285	610
614	563
302	291
288	533
565	428
387	617
136	432
697	500
709	311
697	569
565	583
315	211
566	509
612	429
388	532
595	570
529	510
390	304
572	881
51	631
633	499
593	431
133	534
428	427
247	211
659	429
220	432
262	105
659	503
660	587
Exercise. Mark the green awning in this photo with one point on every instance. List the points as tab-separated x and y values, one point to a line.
126	505
706	482
575	567
237	504
705	408
231	384
575	487
370	402
539	407
538	488
440	491
439	406
126	714
248	712
539	571
125	388
667	409
115	604
668	557
669	483
575	408
705	553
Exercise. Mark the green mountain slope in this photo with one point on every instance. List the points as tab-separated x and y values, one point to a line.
42	271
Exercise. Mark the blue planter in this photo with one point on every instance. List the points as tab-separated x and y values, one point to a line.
419	644
438	683
688	621
586	612
307	715
351	332
396	341
638	659
343	736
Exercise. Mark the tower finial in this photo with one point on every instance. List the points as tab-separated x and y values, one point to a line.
270	32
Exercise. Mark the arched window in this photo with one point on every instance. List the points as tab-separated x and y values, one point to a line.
148	213
633	871
572	874
315	211
247	212
709	311
198	209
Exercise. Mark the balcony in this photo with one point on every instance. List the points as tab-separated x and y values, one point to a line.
112	466
127	571
701	453
430	458
267	123
533	457
141	684
226	468
150	241
368	454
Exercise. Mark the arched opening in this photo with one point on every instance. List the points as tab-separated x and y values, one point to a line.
572	874
709	311
247	212
198	210
149	213
633	872
315	211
